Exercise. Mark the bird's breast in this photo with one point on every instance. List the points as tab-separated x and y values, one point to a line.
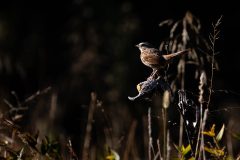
152	60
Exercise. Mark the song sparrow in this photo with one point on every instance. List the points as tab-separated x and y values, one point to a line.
152	57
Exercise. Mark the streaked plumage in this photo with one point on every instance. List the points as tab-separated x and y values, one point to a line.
152	57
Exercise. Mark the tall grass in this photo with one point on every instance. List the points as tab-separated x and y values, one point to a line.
188	97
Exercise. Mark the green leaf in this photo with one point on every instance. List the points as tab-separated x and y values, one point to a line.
186	150
220	134
215	151
210	133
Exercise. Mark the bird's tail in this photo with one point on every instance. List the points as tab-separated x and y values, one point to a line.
172	55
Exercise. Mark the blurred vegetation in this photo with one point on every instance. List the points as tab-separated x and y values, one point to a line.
68	66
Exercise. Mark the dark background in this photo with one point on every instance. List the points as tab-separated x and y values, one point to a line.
80	46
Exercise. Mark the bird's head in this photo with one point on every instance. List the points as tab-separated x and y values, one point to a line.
144	45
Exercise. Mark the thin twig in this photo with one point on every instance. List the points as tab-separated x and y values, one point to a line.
164	115
168	146
149	134
159	150
73	155
13	108
213	37
38	93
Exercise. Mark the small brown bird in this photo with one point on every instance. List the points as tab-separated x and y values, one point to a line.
152	57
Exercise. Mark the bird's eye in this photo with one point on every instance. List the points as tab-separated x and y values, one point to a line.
144	45
147	45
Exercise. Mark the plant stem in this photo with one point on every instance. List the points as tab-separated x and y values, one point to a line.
213	37
149	134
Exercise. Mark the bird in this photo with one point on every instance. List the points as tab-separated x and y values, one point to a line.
153	58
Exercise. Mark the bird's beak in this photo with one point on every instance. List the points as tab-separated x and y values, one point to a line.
137	45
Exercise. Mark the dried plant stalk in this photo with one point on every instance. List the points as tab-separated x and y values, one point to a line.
130	140
149	134
87	139
213	37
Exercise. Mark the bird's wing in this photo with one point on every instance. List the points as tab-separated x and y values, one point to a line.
152	59
153	51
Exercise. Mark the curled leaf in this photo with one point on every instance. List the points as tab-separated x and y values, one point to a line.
111	154
220	133
147	88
